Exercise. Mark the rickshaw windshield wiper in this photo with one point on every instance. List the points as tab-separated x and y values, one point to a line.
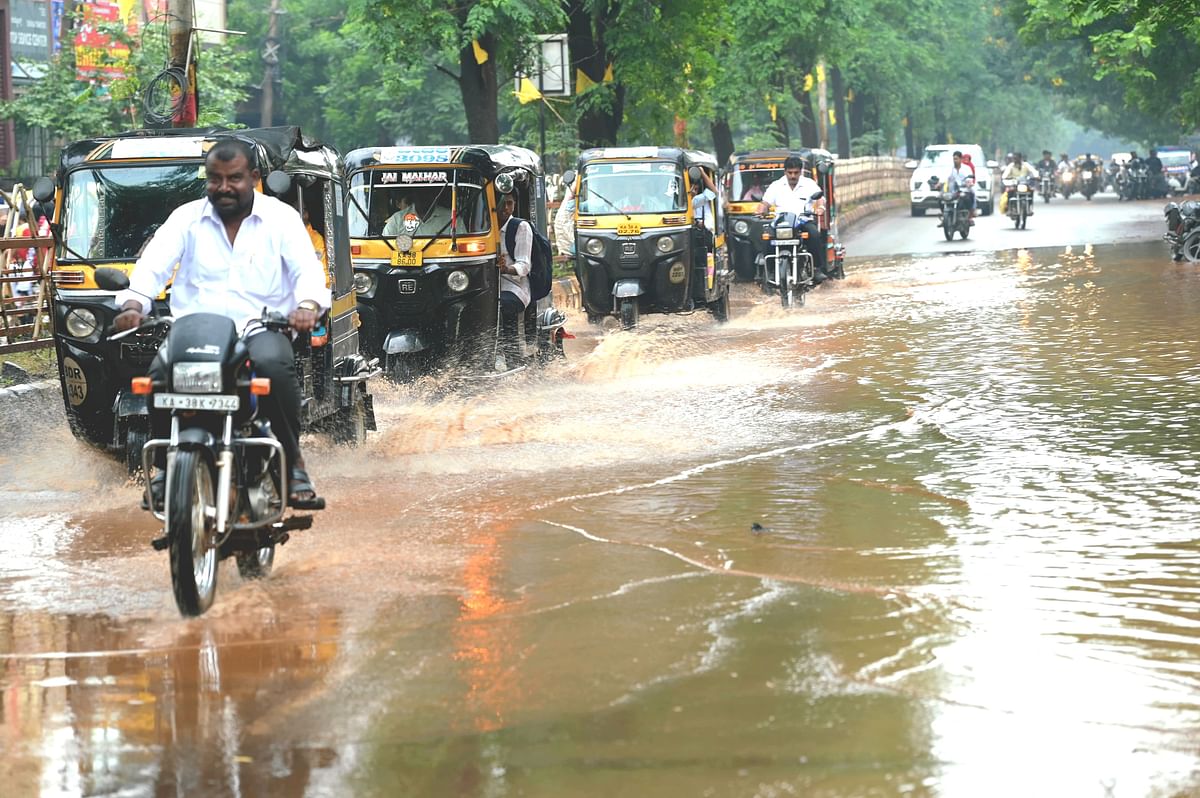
611	204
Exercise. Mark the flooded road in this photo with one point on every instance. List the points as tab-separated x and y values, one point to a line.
932	535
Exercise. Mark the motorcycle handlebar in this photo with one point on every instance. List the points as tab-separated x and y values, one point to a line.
148	323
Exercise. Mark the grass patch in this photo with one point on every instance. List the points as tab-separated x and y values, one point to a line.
41	364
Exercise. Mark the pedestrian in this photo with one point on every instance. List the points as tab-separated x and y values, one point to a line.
564	218
514	264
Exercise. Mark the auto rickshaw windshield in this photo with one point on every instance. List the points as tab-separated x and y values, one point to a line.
417	202
645	187
750	182
110	213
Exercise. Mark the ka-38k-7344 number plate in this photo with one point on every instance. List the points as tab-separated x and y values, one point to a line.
190	401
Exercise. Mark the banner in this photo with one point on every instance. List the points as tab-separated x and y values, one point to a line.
97	56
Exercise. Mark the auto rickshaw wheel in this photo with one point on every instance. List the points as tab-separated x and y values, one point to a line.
720	308
595	318
350	427
193	553
136	435
629	314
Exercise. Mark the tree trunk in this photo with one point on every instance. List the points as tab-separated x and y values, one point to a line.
808	121
858	112
910	146
782	132
722	140
839	111
477	83
939	123
598	121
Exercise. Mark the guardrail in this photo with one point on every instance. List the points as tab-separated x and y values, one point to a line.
26	314
864	179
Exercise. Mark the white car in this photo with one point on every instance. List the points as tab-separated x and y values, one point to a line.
937	161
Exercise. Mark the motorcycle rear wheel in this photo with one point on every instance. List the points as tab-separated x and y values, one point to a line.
191	534
1191	247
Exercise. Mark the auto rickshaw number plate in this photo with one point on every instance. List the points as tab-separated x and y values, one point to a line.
629	229
188	401
406	258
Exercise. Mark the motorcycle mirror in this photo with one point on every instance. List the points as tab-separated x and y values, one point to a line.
695	175
43	189
278	182
111	279
816	196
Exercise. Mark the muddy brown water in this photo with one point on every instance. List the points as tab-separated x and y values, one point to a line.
976	477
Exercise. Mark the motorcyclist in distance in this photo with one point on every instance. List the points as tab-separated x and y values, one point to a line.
1064	163
1019	170
1047	162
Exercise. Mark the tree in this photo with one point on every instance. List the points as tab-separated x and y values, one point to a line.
484	40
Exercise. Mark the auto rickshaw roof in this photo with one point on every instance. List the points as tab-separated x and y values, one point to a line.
810	155
285	148
677	154
489	159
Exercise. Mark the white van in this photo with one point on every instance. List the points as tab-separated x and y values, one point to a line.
939	160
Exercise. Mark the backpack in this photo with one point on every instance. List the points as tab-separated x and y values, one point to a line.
541	260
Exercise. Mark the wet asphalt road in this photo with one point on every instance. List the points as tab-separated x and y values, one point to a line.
975	485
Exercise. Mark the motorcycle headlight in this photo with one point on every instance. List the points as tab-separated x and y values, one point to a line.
783	232
741	227
594	247
196	377
364	282
81	322
665	244
458	281
677	274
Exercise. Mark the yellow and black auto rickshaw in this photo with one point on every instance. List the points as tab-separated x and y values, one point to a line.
639	246
112	194
424	242
745	180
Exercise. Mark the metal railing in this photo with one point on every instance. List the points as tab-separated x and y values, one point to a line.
26	310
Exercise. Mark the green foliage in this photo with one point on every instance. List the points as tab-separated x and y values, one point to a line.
73	109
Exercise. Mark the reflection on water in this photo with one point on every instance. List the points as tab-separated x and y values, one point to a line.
932	535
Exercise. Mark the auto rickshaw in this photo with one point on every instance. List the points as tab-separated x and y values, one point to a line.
637	246
112	194
745	181
424	240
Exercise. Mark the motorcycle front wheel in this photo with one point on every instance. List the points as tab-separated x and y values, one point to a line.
948	229
1191	246
786	290
191	532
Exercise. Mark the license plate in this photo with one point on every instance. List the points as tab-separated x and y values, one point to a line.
406	258
629	229
1087	175
189	401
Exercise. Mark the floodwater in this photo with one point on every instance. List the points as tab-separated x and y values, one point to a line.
975	479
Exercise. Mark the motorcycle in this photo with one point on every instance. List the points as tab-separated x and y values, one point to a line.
1193	182
956	212
1046	178
1136	183
788	267
225	469
1183	230
1066	183
1020	200
1089	183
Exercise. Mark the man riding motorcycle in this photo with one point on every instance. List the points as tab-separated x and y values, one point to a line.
961	183
1047	163
238	252
791	194
1158	181
1019	170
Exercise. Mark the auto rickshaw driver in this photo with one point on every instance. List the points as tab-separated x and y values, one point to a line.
792	194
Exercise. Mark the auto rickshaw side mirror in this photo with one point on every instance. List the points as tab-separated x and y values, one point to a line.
825	167
695	175
816	196
111	279
43	189
278	182
504	182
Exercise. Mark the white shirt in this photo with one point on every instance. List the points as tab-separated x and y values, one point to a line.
700	204
517	284
791	200
958	180
564	225
270	264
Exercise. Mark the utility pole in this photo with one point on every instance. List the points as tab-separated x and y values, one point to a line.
822	107
270	59
179	36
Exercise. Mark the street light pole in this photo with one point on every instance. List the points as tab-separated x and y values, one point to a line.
271	61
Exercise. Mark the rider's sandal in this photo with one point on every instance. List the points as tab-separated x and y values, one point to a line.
157	490
301	493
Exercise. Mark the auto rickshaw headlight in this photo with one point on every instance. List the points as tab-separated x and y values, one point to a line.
594	246
678	273
458	281
364	282
81	322
741	227
665	244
